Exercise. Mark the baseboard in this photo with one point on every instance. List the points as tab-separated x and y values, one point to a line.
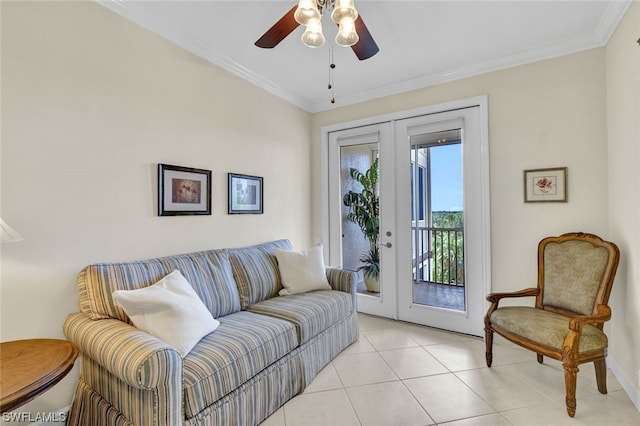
627	385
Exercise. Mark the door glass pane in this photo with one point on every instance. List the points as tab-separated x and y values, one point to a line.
360	214
437	220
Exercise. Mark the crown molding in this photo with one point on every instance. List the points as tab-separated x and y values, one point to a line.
606	26
610	20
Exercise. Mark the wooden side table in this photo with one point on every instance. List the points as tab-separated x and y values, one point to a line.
30	367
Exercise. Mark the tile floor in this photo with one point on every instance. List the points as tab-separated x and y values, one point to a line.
402	374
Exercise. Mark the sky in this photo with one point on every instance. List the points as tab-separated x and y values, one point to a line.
446	178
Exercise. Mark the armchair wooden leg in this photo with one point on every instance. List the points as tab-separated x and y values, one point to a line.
488	339
570	376
540	358
601	375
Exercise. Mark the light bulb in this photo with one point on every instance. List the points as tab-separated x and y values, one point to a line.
347	35
306	12
313	36
344	9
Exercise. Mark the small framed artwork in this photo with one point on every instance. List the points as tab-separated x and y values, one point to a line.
245	194
183	191
542	185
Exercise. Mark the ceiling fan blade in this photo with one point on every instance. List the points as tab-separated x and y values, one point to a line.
279	31
366	47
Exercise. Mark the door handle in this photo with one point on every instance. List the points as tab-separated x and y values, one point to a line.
388	245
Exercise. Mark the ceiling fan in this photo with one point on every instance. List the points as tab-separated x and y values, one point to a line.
309	13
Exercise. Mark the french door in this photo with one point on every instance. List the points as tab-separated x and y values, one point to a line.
433	195
442	220
359	149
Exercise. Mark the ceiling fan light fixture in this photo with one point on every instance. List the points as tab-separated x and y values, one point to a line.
347	35
344	9
307	12
312	36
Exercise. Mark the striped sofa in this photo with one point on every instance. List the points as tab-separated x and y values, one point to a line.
267	349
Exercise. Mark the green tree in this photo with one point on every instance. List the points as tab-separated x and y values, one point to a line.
447	248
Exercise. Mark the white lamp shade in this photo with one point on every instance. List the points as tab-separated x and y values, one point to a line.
313	36
306	12
344	9
8	233
347	35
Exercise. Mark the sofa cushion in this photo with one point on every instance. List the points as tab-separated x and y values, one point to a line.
209	273
243	345
96	283
312	312
169	310
301	271
255	270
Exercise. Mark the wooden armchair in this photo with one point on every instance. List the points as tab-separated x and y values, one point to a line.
575	275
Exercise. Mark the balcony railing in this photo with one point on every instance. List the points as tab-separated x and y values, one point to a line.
438	255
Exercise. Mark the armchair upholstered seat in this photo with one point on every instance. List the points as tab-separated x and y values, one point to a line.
575	276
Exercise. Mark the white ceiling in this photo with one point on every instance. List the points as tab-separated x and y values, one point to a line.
422	43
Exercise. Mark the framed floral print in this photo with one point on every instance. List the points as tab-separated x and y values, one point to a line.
548	185
183	191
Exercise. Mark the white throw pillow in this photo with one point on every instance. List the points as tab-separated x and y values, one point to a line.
302	271
169	310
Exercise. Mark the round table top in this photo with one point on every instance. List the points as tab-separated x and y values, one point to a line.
30	367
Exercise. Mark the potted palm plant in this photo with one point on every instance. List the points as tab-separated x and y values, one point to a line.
364	211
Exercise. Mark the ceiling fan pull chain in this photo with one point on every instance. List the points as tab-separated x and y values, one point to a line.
332	66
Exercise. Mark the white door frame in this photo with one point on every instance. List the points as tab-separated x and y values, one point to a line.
484	184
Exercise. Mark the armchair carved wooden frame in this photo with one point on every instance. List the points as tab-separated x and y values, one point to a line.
575	275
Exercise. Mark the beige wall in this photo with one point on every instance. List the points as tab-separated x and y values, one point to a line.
90	104
545	114
623	136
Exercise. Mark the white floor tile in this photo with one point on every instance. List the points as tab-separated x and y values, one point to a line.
593	410
276	419
327	379
546	378
363	369
370	322
446	398
387	404
502	389
389	338
503	354
457	356
360	345
431	336
409	363
320	409
488	420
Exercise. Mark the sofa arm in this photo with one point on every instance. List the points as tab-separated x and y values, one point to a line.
343	280
135	357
